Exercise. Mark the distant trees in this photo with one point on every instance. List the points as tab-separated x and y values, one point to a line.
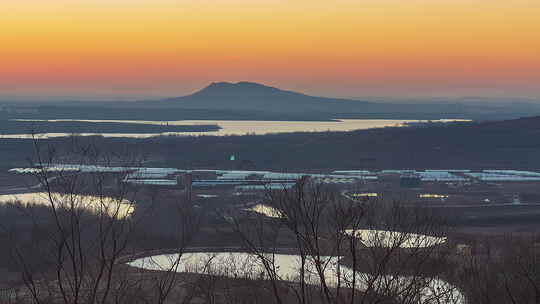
507	271
468	145
27	127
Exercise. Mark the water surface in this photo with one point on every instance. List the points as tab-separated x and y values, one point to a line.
239	127
370	237
394	239
287	267
119	208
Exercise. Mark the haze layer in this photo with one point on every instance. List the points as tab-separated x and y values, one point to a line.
338	48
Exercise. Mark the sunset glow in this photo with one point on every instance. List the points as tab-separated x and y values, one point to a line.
332	48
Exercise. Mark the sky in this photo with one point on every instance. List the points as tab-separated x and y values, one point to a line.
345	48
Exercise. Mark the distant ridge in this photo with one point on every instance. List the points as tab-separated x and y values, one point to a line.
246	100
253	96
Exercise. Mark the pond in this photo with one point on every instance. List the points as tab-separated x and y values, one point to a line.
118	208
287	268
266	210
370	237
390	239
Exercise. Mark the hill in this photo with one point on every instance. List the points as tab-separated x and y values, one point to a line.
254	96
253	101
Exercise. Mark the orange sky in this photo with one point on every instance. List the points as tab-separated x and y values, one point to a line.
337	48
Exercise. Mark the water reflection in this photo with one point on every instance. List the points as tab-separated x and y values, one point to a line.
394	239
237	127
287	267
266	210
370	237
118	208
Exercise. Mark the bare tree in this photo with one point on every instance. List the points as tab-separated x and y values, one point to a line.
88	230
509	272
352	252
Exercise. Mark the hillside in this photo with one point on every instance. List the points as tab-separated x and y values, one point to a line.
511	144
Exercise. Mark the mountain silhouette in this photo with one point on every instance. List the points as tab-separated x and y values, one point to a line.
244	88
245	99
253	96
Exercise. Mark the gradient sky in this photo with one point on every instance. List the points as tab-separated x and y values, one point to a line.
334	48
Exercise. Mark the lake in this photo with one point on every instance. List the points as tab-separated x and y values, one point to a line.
239	127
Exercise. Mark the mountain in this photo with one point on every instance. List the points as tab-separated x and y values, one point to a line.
249	100
258	97
244	88
253	101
